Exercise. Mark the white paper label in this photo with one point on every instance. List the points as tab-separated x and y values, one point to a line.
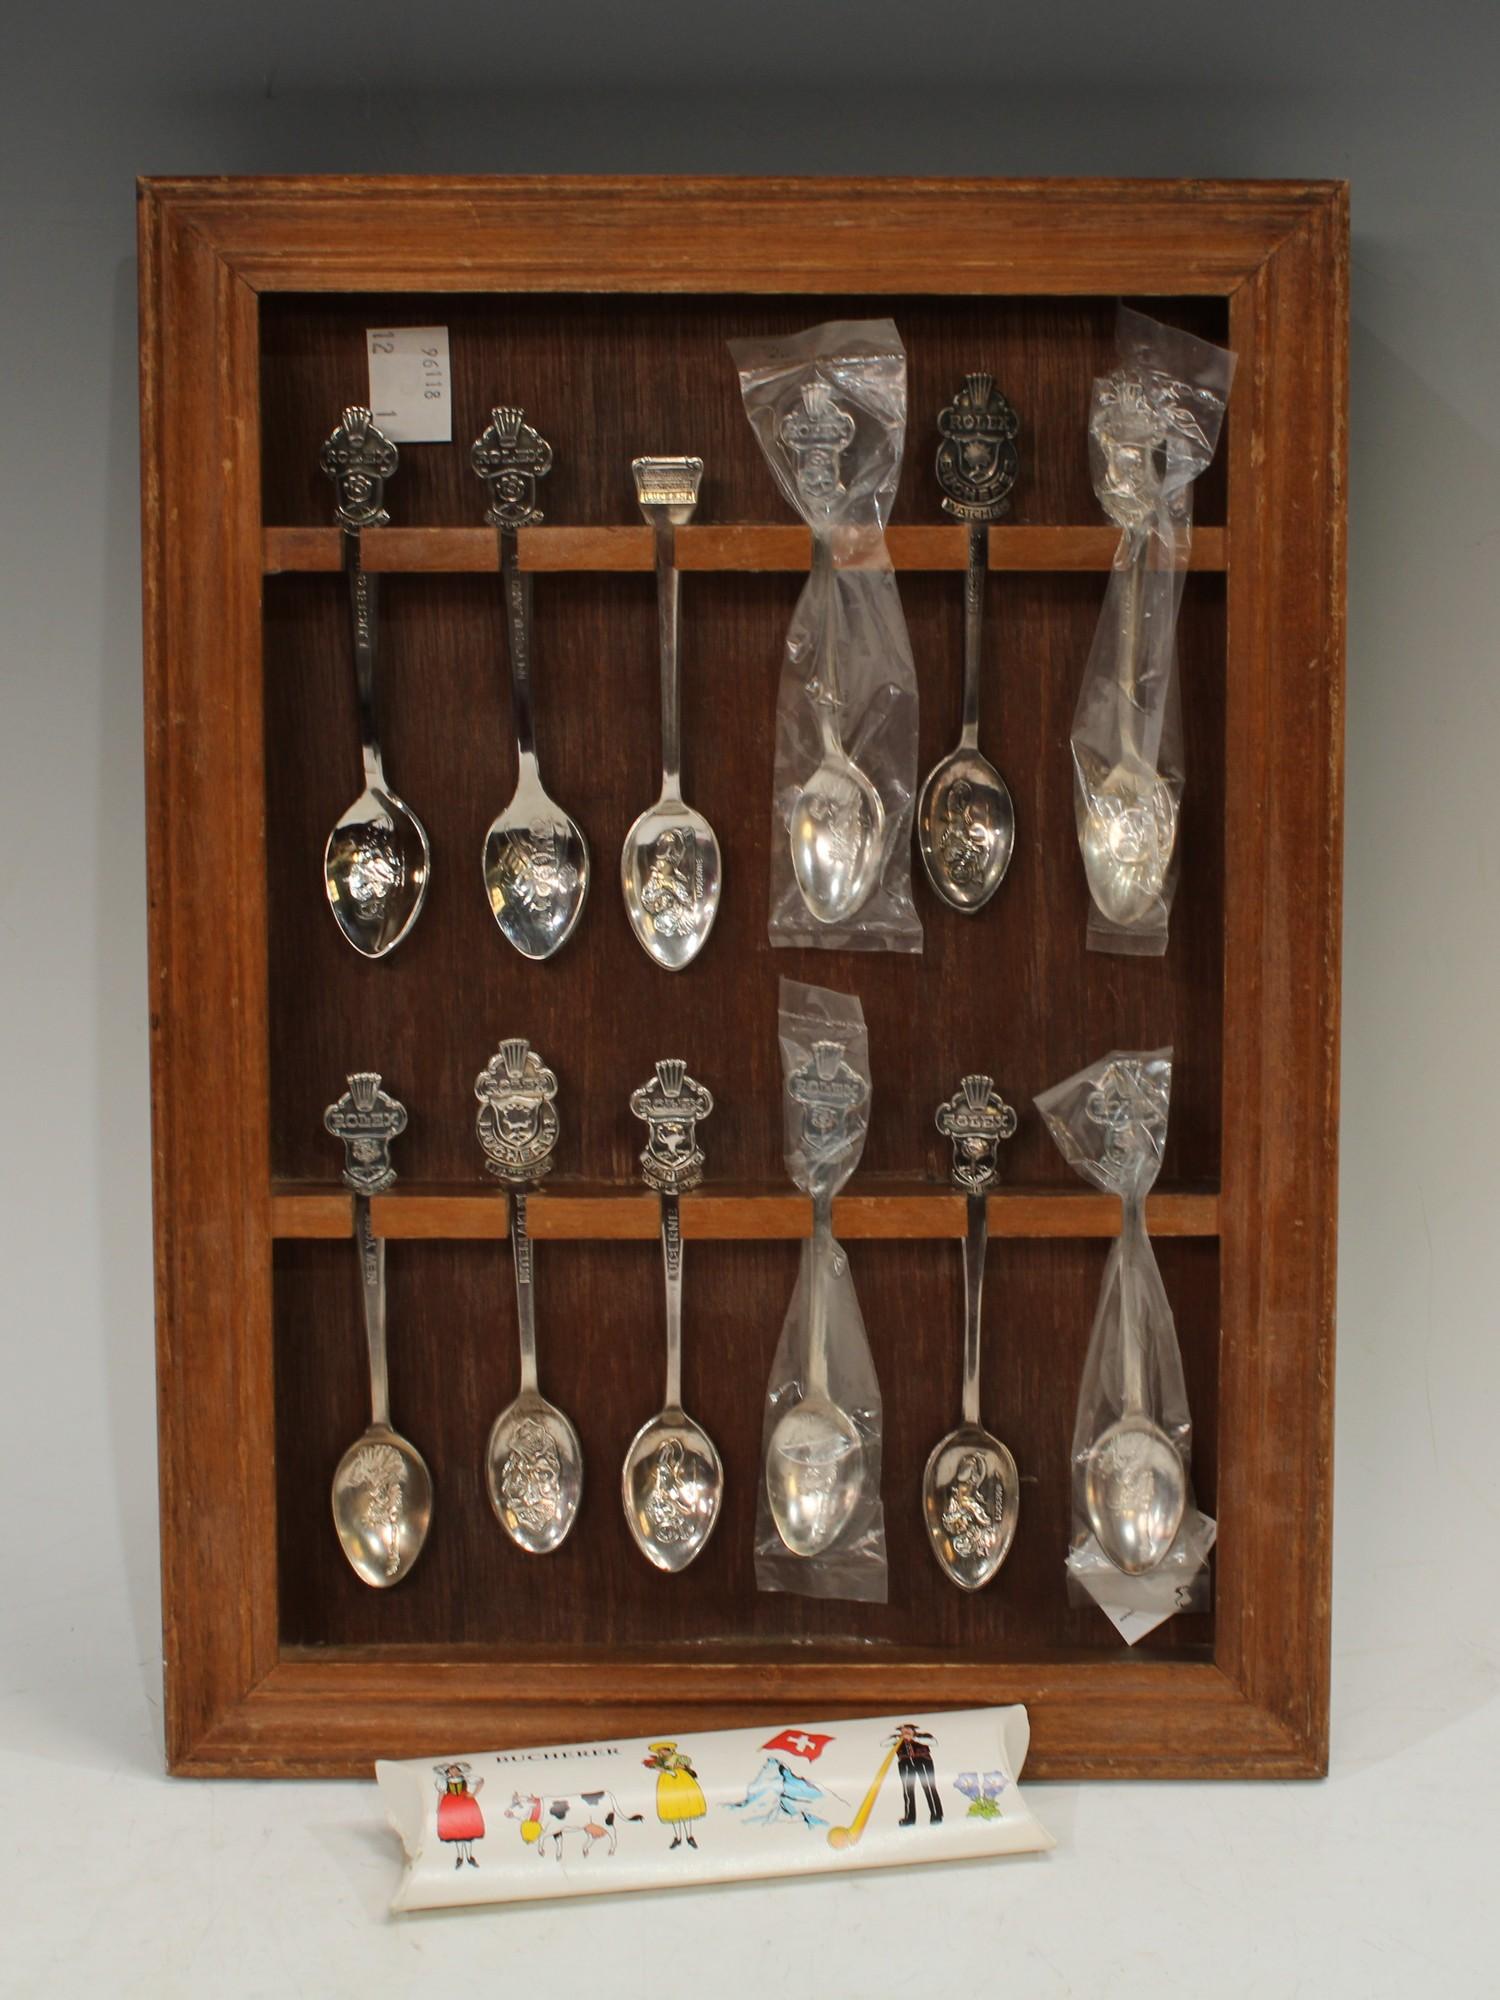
409	383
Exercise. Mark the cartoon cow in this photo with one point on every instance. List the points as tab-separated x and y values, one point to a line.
592	1816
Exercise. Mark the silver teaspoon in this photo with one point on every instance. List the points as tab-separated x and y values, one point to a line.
815	1462
382	1490
376	860
966	820
672	1482
837	824
533	1462
1130	824
536	860
970	1489
1135	1484
670	866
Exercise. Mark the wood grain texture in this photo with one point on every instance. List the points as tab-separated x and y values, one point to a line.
603	307
687	235
742	546
721	1214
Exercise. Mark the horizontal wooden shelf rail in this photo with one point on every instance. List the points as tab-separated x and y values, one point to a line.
594	1213
739	546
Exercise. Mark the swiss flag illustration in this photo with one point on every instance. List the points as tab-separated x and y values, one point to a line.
800	1743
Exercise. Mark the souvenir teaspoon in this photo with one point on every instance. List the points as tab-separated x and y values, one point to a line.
1129	822
966	821
382	1490
1135	1485
815	1467
971	1489
670	865
837	826
672	1484
376	860
534	1462
536	860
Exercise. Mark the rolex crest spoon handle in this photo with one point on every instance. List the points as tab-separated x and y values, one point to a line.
376	860
670	864
536	860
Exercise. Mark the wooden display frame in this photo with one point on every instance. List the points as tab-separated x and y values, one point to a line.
240	1698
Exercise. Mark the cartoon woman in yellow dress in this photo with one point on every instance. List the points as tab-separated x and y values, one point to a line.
679	1797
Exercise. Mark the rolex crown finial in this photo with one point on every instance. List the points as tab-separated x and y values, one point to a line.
669	1073
976	1090
364	1086
980	386
513	1054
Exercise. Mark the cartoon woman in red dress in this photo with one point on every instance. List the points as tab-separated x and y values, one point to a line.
458	1816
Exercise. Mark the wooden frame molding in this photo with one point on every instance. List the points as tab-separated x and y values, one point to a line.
237	1701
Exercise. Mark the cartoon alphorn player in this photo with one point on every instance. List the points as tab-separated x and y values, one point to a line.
914	1762
680	1803
458	1816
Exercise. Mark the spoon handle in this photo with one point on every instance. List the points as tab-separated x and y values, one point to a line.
372	1273
1133	1351
817	1305
974	578
1132	629
976	1242
671	1256
520	1245
517	587
364	604
668	613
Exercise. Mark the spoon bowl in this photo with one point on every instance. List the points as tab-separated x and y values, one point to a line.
382	1505
1135	1491
814	1469
534	1469
672	1486
837	833
971	1495
1128	834
966	829
536	872
375	868
670	872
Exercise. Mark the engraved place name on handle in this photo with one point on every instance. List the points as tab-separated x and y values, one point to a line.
673	1105
976	1118
366	1118
977	461
517	1120
359	458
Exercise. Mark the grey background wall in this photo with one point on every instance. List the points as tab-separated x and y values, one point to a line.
1400	100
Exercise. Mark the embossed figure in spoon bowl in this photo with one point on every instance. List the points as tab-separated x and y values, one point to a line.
670	866
536	860
533	1462
672	1482
376	860
382	1490
966	820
